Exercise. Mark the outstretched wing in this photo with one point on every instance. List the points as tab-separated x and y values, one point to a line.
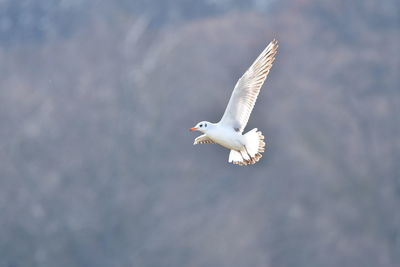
247	88
203	139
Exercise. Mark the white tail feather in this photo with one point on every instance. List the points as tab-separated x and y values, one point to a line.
235	156
252	150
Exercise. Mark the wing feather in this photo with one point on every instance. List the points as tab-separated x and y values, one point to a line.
247	88
203	139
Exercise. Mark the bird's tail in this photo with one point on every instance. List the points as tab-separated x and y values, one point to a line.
251	153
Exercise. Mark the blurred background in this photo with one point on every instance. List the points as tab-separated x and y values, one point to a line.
97	166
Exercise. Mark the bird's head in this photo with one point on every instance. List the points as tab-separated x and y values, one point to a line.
202	126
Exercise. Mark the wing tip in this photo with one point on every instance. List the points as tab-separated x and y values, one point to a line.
274	45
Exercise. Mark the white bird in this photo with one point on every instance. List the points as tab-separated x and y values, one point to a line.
245	148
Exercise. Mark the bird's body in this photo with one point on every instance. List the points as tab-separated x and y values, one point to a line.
245	148
226	136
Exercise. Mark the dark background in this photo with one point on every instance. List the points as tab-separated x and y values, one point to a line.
97	166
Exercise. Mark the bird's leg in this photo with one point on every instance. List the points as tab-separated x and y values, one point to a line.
247	152
240	151
251	160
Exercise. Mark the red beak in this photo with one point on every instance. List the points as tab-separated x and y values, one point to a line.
193	129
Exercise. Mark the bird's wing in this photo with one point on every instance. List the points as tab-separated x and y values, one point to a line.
203	139
247	88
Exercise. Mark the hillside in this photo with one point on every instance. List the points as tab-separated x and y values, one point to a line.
97	166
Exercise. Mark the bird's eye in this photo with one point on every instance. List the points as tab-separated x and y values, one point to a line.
201	125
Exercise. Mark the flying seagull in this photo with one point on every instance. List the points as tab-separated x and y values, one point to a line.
245	148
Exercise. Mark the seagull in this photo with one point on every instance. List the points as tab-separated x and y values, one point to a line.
245	148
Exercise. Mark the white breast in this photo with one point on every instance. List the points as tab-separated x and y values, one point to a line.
226	137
